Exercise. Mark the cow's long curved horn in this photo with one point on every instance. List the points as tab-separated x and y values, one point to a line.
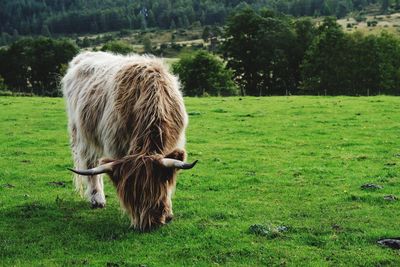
94	171
174	163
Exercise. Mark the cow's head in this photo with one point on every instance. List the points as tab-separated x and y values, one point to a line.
145	184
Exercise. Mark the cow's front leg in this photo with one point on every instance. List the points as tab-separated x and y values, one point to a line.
169	215
95	191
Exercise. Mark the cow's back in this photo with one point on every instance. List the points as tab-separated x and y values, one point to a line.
103	107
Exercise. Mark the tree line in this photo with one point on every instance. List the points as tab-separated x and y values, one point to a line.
272	54
55	17
35	66
260	53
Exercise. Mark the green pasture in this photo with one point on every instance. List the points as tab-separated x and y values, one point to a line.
291	162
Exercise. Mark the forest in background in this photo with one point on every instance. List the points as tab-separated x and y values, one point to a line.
55	17
259	47
260	53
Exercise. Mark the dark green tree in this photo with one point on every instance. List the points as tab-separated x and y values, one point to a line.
36	65
206	33
143	22
338	63
363	63
185	22
78	16
385	6
15	65
48	58
151	19
305	32
173	24
259	47
45	31
276	54
325	61
389	63
3	86
202	73
147	45
241	50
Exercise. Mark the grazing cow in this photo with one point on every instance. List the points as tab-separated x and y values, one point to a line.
126	113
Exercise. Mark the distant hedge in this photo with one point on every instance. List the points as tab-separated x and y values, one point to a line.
118	47
271	54
34	66
202	74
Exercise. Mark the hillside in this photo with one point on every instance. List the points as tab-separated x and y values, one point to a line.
372	24
49	17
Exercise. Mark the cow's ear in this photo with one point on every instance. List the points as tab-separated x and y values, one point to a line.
178	154
115	170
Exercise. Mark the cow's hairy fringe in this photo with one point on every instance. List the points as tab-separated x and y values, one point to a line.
140	99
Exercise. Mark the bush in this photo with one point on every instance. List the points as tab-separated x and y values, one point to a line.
147	46
124	32
5	93
198	46
163	46
176	46
203	74
34	66
360	18
83	43
372	23
3	86
118	47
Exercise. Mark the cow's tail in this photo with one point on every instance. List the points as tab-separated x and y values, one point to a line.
79	180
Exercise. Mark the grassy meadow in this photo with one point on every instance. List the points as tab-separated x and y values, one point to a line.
292	162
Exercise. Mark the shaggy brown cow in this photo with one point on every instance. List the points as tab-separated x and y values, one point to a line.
126	113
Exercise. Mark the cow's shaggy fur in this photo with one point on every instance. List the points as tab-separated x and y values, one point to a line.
127	110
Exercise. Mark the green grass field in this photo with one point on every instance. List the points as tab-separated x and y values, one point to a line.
296	162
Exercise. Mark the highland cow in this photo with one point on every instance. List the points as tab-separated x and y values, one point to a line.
127	119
